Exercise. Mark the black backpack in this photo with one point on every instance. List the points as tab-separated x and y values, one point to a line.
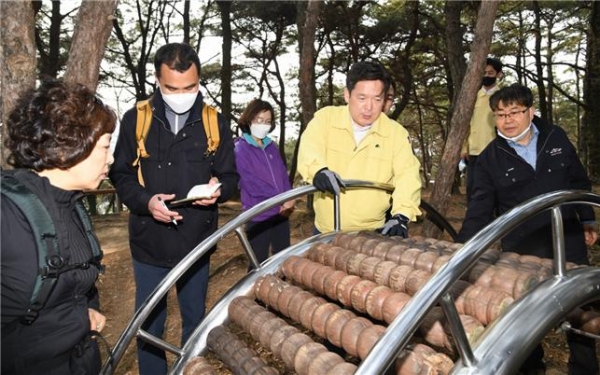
50	262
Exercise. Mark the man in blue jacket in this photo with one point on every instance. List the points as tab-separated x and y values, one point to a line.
177	160
528	158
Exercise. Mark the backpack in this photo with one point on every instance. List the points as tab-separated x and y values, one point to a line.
50	263
144	120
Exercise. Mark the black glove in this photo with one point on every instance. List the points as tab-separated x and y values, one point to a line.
328	181
396	226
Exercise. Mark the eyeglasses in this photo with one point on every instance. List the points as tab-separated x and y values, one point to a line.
510	115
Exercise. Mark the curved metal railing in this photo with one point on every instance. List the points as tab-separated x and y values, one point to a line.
435	290
403	327
236	225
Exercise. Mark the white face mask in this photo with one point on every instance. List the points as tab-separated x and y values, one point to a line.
516	138
260	130
180	103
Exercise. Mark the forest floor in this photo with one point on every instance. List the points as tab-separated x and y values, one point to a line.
228	265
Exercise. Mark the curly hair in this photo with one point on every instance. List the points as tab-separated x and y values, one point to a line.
56	126
253	108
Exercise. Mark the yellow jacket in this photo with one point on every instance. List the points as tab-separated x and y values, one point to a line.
483	128
384	156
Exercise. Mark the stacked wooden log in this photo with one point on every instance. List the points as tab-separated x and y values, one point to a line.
342	295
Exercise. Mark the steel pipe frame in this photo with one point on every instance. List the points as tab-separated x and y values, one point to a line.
509	340
133	329
403	327
400	330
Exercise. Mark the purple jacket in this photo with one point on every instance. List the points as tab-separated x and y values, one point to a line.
262	173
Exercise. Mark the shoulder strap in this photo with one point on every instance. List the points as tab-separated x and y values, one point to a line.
210	121
142	126
50	263
97	253
46	242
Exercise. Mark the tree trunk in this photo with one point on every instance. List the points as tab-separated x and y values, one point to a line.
456	56
49	61
591	93
186	22
307	88
537	30
462	113
17	65
225	9
550	72
93	27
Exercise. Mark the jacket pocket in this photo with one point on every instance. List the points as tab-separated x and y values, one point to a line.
515	176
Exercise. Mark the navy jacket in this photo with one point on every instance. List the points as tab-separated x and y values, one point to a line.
503	180
176	163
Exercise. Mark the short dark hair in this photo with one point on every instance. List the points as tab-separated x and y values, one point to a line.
177	56
495	63
253	108
56	126
367	71
513	94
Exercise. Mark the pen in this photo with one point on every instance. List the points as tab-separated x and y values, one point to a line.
167	208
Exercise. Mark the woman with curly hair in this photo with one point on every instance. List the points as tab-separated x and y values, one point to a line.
262	176
58	140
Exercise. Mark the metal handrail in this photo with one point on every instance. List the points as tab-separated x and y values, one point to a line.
134	327
403	327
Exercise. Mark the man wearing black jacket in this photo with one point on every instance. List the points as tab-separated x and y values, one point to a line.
178	158
528	158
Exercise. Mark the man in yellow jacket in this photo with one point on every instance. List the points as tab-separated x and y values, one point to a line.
358	141
482	129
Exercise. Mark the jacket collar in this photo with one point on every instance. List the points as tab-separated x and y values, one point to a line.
378	125
248	137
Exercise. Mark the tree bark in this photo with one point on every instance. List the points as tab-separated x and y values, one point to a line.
591	93
225	9
50	61
307	88
543	104
17	65
462	113
93	26
456	56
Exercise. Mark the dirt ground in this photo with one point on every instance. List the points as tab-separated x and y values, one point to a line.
228	265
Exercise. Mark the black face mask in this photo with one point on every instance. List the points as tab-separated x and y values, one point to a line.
488	81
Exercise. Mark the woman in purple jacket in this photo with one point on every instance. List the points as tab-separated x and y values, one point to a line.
262	175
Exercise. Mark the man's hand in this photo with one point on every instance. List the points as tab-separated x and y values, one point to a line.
213	199
328	181
159	210
396	226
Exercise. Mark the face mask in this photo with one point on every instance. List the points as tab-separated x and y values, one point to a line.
488	81
180	103
260	130
517	138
